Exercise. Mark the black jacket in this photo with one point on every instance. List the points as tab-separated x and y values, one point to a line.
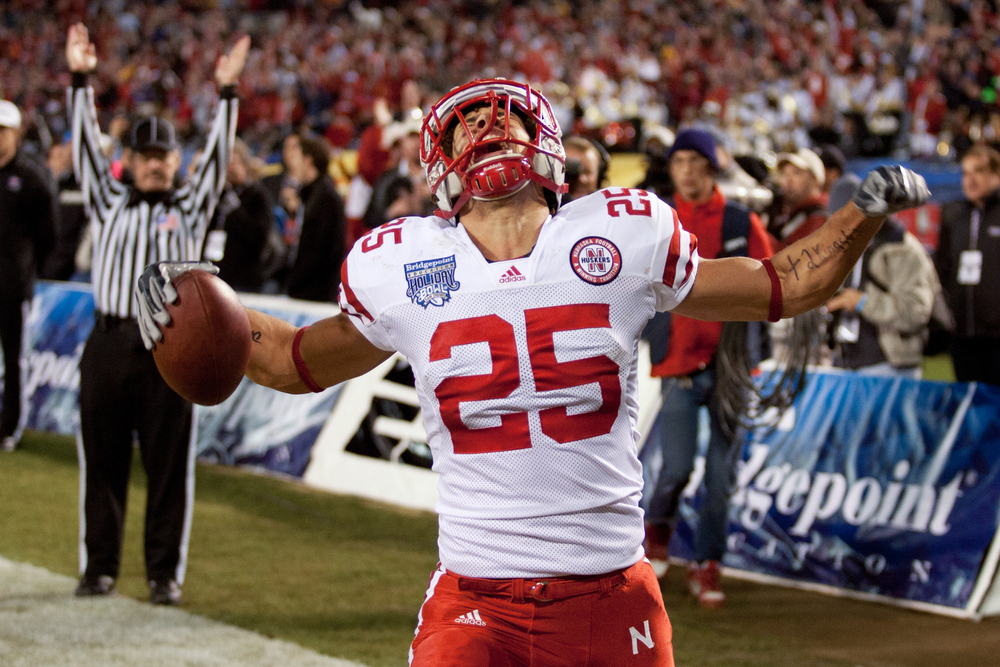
28	216
976	307
245	215
61	262
315	275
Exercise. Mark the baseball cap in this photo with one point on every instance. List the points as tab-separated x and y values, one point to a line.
10	115
153	132
395	131
806	160
699	141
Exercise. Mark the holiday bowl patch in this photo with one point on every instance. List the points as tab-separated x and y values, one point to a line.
431	282
596	260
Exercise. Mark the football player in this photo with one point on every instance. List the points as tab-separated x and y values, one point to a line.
521	321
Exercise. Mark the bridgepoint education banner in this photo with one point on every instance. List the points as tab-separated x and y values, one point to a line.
881	487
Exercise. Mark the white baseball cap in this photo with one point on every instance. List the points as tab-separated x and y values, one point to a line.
10	115
806	160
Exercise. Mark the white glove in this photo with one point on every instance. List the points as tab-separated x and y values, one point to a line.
889	190
155	290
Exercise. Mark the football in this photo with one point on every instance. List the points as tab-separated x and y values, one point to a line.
206	347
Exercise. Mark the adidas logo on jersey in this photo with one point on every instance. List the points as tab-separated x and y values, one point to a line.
472	618
512	276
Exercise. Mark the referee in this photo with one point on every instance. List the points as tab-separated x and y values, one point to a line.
121	392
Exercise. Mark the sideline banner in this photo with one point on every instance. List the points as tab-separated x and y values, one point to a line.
255	426
884	487
260	427
57	326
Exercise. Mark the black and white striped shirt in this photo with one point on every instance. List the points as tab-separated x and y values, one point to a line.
130	232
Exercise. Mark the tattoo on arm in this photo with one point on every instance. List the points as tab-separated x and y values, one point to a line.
816	256
255	336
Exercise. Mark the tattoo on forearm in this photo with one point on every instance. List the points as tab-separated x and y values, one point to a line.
816	256
255	336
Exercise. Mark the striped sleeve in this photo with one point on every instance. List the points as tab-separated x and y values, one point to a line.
675	260
361	311
199	197
101	192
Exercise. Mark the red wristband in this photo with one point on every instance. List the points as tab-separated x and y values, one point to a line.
300	365
774	310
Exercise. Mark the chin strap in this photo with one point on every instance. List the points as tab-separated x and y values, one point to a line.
515	172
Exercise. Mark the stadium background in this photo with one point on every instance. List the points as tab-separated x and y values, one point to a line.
912	81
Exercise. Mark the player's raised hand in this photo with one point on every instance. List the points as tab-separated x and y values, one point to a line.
888	190
154	291
80	53
230	66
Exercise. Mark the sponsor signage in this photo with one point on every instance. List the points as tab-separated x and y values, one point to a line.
881	487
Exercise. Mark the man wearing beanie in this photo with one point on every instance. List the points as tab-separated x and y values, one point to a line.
682	351
803	207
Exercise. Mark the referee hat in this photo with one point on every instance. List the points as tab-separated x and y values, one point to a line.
153	132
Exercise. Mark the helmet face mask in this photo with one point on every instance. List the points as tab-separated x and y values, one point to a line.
496	159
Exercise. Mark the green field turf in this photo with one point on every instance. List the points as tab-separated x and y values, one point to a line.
346	576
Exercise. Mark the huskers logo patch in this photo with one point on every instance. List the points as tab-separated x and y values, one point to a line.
432	281
596	260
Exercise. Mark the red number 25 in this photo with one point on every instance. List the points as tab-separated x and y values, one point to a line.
548	372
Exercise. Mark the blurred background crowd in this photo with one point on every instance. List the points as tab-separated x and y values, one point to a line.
874	77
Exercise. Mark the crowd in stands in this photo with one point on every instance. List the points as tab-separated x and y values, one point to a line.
874	77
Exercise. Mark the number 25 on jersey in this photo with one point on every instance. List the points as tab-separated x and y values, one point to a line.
549	374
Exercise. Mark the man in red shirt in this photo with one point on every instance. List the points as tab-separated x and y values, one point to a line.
684	357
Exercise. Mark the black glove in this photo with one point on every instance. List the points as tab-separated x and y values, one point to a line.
888	190
154	291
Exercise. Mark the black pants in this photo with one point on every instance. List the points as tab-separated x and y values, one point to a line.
11	324
976	359
121	392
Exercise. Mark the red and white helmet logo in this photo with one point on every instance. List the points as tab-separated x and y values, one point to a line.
494	162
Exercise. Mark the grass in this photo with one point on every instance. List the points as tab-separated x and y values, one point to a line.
346	576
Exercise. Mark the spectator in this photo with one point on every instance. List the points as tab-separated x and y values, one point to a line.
401	189
240	236
72	228
28	217
586	166
802	207
839	185
316	226
885	307
968	264
684	359
654	145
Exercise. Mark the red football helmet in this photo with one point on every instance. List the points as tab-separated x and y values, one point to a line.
491	166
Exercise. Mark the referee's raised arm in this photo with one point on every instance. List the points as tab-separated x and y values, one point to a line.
101	192
200	195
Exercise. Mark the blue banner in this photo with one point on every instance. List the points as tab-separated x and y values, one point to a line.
886	486
256	426
57	327
261	427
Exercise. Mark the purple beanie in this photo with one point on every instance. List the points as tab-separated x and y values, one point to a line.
699	141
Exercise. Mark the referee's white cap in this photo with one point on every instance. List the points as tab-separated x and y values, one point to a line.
10	115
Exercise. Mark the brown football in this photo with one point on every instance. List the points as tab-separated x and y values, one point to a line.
206	347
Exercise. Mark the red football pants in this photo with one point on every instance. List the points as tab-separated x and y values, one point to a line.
612	620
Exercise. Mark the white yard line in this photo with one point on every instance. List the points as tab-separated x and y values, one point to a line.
43	625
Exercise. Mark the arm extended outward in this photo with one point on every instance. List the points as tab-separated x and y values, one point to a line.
809	271
333	350
330	351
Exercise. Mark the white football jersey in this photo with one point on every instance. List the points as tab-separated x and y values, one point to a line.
526	373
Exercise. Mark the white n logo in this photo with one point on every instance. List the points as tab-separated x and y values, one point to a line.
646	639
